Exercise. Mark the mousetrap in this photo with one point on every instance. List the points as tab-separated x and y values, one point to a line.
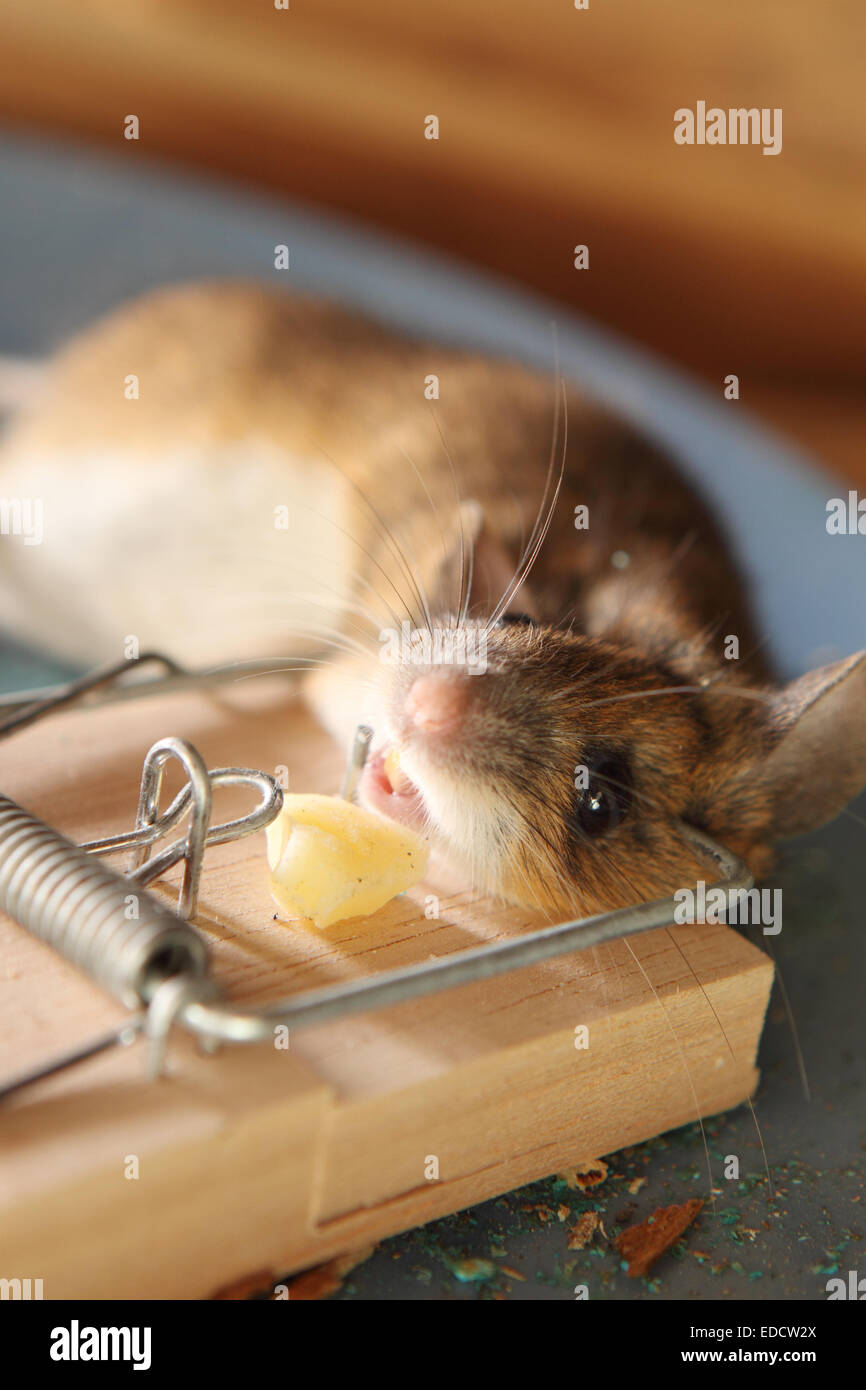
189	1103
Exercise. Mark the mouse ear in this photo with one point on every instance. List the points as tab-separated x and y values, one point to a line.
816	762
489	565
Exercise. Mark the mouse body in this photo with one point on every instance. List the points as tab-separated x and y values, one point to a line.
523	596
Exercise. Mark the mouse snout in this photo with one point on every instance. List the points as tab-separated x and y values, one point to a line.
436	703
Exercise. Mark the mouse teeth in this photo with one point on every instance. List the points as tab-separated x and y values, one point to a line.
394	772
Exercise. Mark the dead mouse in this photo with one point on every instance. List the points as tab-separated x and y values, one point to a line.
523	596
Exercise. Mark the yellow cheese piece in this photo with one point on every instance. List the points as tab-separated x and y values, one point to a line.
330	859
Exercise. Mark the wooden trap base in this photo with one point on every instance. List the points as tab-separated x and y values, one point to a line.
264	1160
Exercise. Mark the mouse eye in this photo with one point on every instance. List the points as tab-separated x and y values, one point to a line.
508	618
602	794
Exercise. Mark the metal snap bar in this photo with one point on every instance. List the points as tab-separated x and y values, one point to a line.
57	890
220	1020
110	684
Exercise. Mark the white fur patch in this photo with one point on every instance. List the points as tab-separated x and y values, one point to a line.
188	552
471	823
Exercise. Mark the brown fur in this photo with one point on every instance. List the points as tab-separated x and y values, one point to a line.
231	361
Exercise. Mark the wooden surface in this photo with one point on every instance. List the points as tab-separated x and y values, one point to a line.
556	128
258	1160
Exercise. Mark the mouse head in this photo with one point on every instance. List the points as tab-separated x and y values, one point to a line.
553	769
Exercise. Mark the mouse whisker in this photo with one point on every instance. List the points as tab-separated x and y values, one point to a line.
433	508
686	961
541	528
710	688
384	534
321	633
257	606
336	636
280	665
789	1015
350	602
684	1059
363	642
465	588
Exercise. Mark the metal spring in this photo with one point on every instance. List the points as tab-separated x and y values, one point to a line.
126	941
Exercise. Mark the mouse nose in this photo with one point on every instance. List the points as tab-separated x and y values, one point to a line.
436	703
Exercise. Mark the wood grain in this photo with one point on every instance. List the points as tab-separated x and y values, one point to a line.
258	1159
